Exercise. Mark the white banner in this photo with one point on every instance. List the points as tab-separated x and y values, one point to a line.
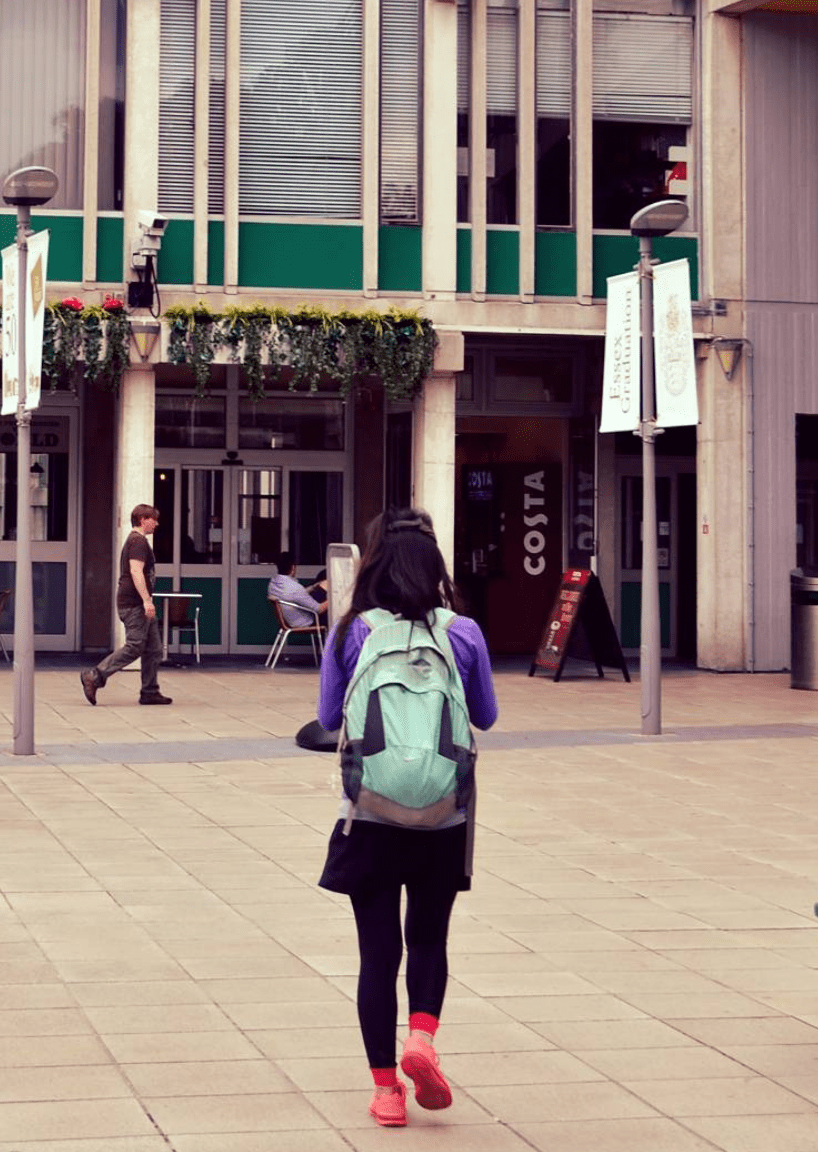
35	314
10	328
620	382
675	362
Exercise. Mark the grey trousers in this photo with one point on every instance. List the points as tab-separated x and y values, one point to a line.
141	639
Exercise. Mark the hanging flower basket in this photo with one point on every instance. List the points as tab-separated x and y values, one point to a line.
98	334
311	344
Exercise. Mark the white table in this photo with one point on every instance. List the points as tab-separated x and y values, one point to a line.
166	614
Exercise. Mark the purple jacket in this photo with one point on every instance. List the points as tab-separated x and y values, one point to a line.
470	655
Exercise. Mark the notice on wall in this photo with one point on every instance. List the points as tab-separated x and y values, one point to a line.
675	361
621	378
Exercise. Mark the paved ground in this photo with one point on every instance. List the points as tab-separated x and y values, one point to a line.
636	969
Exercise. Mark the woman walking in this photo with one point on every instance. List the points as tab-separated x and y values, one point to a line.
371	858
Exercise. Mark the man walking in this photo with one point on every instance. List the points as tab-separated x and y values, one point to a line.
136	610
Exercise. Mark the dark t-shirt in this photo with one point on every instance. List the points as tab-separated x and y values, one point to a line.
136	547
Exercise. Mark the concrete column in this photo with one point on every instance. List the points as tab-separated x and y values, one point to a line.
724	576
721	474
141	115
433	477
440	151
135	457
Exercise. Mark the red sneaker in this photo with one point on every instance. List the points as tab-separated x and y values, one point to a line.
421	1064
389	1108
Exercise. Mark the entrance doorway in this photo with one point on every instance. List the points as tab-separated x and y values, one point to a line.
53	486
676	529
222	528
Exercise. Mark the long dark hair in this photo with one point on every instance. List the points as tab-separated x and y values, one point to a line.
402	570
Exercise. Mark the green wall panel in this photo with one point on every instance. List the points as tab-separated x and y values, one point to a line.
256	616
256	623
301	256
8	228
215	251
630	600
64	247
175	264
616	254
555	268
502	263
464	259
210	614
400	259
110	230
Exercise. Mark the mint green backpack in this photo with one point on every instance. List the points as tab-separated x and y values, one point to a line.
407	750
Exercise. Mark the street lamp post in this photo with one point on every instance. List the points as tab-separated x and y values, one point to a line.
657	219
24	189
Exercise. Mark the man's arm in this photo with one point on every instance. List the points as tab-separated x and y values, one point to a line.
137	568
299	595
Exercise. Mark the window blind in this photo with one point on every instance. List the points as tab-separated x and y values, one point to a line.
501	63
554	64
42	54
216	127
300	108
643	68
177	62
401	106
463	58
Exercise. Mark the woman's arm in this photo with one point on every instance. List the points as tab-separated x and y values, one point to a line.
472	658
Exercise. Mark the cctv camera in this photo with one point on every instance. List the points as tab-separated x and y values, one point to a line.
151	223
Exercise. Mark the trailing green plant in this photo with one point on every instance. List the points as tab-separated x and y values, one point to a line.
194	339
74	331
315	345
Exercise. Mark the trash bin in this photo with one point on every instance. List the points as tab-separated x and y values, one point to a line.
804	632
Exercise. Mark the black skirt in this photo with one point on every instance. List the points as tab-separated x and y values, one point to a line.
375	854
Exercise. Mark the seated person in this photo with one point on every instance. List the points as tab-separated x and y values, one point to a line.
284	586
318	589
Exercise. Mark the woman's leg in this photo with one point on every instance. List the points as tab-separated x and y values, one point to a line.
428	909
377	916
427	925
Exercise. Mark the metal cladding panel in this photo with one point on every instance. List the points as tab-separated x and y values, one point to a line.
781	139
785	342
781	128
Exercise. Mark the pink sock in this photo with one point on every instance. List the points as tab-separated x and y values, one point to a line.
423	1022
384	1077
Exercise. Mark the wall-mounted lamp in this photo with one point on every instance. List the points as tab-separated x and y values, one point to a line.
37	469
145	334
729	353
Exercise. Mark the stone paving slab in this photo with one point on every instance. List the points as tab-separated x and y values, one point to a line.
635	970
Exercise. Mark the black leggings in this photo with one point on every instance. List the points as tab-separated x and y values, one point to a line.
377	915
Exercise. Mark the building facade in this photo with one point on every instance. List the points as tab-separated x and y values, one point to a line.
478	161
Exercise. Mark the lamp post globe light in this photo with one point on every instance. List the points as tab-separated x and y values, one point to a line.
658	219
24	189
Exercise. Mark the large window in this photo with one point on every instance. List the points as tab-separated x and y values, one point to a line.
642	112
501	115
300	114
401	103
553	117
42	94
44	103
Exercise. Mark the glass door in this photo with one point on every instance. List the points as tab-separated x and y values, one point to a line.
52	485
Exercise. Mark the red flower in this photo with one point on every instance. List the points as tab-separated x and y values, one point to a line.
113	304
73	303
